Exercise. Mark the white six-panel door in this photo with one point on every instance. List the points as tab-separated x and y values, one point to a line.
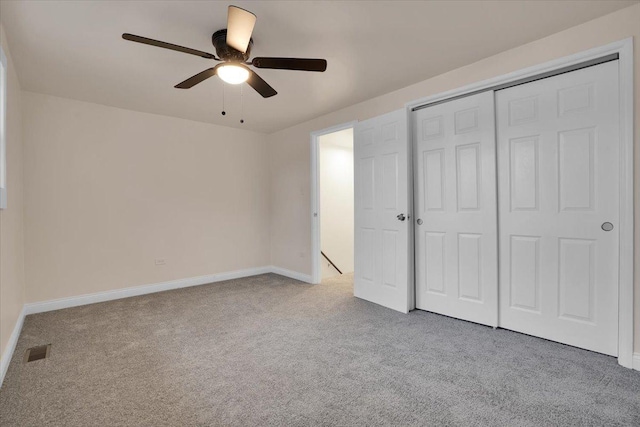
558	143
455	206
381	189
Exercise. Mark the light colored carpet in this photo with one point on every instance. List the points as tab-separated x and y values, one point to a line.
268	350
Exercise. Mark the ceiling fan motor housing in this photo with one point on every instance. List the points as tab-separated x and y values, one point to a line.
226	52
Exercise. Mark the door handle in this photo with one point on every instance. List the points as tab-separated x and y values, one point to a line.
401	217
607	226
419	221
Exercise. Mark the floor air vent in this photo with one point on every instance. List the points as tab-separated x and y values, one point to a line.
37	353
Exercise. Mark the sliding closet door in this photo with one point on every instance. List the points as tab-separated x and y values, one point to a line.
558	142
455	205
382	223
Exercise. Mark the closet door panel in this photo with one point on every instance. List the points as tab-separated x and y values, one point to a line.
455	207
558	147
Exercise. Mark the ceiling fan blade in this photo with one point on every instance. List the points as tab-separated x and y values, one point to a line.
198	78
262	87
158	43
240	25
302	64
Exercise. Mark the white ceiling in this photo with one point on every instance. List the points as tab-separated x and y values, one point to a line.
74	49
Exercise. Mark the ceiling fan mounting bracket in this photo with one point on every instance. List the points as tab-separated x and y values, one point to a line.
226	52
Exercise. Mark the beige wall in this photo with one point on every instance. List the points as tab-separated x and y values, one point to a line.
12	285
108	191
336	200
289	148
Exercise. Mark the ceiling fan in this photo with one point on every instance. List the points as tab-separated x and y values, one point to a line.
233	47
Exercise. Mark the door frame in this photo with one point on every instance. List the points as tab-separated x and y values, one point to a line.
315	197
624	49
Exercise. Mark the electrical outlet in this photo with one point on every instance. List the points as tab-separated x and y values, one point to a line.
161	261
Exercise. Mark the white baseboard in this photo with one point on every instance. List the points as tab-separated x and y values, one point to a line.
58	304
291	274
11	345
636	361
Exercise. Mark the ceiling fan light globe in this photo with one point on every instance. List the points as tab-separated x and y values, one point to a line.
233	74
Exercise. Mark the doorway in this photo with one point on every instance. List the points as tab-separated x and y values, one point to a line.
332	202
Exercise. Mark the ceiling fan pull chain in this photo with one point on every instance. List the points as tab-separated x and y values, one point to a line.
241	103
223	112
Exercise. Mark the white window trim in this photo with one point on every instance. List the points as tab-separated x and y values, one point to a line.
4	76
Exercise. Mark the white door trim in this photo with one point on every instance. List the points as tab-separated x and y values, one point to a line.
315	197
411	278
624	49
